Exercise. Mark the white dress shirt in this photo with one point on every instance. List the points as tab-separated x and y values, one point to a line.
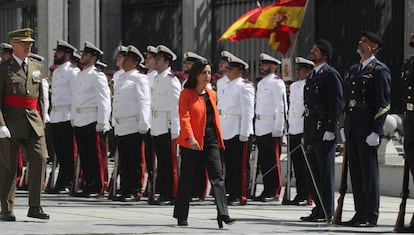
271	105
63	87
236	110
131	104
296	107
165	92
92	98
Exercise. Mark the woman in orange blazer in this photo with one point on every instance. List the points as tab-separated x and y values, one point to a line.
200	140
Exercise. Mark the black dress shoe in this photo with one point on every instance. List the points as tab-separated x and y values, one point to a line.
130	198
65	190
350	222
7	216
263	198
86	194
182	222
37	212
364	224
308	218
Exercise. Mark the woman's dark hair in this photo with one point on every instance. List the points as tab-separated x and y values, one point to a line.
195	70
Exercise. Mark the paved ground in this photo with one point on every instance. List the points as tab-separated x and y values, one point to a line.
71	215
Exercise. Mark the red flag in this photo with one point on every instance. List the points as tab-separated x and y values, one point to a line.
275	22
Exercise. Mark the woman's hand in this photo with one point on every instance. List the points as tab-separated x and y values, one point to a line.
194	144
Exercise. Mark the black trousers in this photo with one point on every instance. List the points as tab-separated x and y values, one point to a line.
167	172
363	168
409	139
303	181
63	144
210	157
236	160
269	160
200	182
322	161
88	141
130	149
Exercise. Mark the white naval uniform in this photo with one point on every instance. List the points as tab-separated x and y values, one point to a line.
117	74
296	107
271	106
220	85
131	104
62	89
92	99
45	89
236	108
165	92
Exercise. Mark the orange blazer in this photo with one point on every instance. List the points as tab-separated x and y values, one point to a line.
192	111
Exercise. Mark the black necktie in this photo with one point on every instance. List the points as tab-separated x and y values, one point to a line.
24	67
313	74
359	67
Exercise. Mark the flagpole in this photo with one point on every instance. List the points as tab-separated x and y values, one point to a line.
293	48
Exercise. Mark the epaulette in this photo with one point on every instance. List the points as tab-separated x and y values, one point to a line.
247	81
275	76
171	74
35	61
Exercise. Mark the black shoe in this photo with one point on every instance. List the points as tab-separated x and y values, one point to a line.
364	224
263	198
131	198
86	194
37	212
231	201
297	202
169	202
226	219
65	190
350	222
7	216
315	218
182	222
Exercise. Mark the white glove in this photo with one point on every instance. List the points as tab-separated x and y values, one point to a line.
372	139
102	127
328	136
174	136
4	132
47	118
243	138
342	133
277	133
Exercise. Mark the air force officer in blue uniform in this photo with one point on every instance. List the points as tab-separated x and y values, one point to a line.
323	107
367	102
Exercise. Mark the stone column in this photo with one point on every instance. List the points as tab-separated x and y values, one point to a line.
196	24
84	25
52	25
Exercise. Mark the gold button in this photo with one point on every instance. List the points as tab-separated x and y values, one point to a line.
353	83
409	88
352	92
350	109
409	97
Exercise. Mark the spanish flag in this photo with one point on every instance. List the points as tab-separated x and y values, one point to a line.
274	21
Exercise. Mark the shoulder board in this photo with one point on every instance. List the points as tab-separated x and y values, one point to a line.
247	81
35	61
275	76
